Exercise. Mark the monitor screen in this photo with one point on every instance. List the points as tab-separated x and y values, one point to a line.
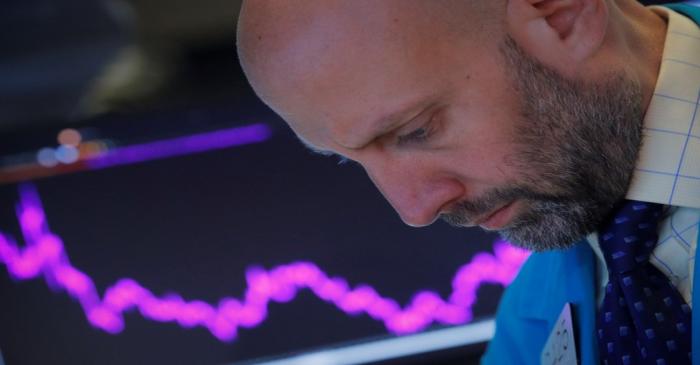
226	244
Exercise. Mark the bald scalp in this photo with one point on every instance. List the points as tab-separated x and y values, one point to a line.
287	42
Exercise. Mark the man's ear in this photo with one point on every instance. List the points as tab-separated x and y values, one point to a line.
560	33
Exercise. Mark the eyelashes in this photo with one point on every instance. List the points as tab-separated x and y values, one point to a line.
417	136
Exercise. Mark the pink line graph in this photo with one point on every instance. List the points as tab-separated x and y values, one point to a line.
44	254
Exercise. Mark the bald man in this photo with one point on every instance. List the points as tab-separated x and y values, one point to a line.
538	119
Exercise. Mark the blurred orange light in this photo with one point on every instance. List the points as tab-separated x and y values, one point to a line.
91	148
69	137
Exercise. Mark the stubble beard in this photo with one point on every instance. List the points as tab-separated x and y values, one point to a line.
576	147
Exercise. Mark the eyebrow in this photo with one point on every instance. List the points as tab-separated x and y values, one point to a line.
384	124
390	121
404	116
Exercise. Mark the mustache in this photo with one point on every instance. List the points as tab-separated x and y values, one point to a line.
463	213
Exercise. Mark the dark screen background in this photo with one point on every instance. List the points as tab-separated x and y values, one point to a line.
193	224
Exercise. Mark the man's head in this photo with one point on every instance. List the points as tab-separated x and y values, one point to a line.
516	115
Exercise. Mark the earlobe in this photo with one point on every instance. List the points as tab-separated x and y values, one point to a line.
560	33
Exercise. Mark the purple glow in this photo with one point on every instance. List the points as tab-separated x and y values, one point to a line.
44	254
181	146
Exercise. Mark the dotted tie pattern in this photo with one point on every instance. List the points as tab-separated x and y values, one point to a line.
643	320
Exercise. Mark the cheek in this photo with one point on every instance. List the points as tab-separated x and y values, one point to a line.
483	143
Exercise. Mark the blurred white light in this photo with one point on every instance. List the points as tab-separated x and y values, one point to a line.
67	154
46	157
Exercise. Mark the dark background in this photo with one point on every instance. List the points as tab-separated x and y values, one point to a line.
193	225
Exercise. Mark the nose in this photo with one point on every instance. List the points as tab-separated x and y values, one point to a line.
418	194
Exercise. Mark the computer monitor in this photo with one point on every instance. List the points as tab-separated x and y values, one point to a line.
225	242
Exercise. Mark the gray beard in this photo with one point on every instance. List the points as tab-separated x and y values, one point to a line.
577	145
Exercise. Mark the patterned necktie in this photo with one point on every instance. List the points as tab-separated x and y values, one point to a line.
643	320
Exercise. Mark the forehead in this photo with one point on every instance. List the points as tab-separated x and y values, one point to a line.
339	84
358	92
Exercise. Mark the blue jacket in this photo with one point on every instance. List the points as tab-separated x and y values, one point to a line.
532	303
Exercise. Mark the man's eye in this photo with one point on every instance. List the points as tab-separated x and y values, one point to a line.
416	136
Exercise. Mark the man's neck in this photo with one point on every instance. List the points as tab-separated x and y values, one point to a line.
642	34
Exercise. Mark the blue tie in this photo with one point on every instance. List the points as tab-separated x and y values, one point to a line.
643	320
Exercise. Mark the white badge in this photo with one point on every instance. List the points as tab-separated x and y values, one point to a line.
560	348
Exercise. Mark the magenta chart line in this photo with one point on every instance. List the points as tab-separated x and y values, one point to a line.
44	254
